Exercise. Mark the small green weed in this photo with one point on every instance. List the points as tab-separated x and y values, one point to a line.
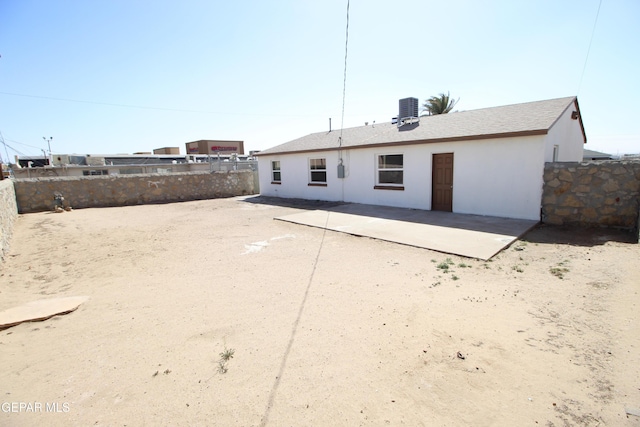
559	271
225	356
443	266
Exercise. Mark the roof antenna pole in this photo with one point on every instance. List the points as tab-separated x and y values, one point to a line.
329	124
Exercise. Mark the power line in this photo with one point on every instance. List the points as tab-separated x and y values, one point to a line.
13	149
4	142
26	145
341	170
5	147
589	49
344	79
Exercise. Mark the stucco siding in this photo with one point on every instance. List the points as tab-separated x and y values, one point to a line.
566	133
498	177
359	186
295	177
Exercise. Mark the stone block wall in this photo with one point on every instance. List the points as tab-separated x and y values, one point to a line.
592	194
37	194
8	214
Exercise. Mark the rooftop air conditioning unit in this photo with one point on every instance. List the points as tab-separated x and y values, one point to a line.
408	111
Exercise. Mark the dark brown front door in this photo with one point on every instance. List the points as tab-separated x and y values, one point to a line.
442	182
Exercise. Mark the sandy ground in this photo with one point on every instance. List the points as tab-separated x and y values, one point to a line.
326	328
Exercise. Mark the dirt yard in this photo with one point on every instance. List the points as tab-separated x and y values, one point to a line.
211	313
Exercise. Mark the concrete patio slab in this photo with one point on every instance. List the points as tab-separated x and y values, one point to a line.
472	236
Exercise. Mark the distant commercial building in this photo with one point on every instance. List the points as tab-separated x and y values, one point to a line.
210	146
167	150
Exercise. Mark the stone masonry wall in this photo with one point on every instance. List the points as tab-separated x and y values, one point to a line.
592	194
8	214
37	194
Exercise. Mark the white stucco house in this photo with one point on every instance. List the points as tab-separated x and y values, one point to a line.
488	161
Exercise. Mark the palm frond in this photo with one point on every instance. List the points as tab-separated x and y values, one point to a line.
441	104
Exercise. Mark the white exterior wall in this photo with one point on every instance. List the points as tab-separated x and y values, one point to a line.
295	177
566	133
498	177
361	177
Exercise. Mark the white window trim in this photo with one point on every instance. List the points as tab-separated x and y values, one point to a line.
377	163
279	170
311	182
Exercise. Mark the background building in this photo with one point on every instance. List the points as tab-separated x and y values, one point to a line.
167	150
209	146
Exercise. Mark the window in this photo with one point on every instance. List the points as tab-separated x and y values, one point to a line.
390	171
275	172
95	172
556	149
318	171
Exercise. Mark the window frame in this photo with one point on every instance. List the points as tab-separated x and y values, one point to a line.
95	172
388	185
275	171
316	170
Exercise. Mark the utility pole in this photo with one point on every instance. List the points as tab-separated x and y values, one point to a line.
49	145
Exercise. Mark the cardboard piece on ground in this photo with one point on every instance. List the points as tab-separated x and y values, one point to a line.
39	310
632	411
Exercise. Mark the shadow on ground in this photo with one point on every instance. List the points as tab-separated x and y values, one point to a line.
292	203
577	236
482	223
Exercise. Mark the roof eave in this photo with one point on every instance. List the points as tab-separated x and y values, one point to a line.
574	103
584	134
415	142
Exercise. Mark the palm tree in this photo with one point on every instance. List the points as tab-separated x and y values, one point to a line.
441	104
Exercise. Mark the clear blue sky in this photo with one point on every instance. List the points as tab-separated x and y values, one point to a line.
120	76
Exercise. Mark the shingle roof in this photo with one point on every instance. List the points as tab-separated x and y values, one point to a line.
531	118
591	154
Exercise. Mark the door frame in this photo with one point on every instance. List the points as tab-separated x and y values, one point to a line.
449	207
